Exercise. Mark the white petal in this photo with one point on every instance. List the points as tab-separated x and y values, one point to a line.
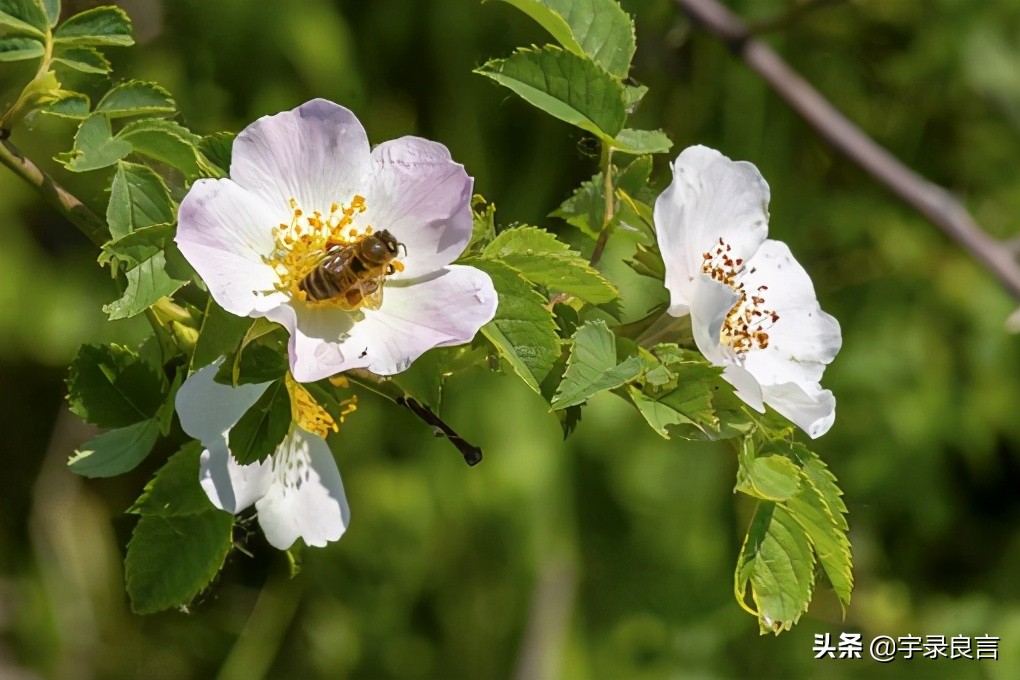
809	407
420	195
710	302
711	197
228	484
804	339
306	498
445	309
224	232
207	409
745	387
317	154
322	341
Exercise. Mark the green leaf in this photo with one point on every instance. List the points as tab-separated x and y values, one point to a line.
259	363
20	49
66	104
137	246
546	261
165	141
115	452
564	85
160	276
639	142
592	366
262	427
681	403
483	228
634	94
136	98
23	16
84	59
599	29
523	331
138	198
107	25
777	563
216	148
586	208
165	415
221	335
423	380
94	146
110	386
170	560
175	491
772	478
52	8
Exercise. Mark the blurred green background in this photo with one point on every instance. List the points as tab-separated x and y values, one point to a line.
609	556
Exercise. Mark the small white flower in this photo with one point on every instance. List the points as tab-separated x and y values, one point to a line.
297	491
305	182
753	308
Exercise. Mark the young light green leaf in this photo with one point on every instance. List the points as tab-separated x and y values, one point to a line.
136	98
94	146
165	141
586	208
66	104
23	16
598	29
170	560
634	94
138	198
592	366
115	452
83	59
483	228
110	386
639	142
679	401
523	330
175	491
20	49
564	85
777	563
221	335
262	427
106	25
159	276
52	8
771	478
546	261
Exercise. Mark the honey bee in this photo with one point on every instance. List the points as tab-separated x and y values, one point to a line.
353	273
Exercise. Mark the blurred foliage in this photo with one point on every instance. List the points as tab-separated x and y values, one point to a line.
609	556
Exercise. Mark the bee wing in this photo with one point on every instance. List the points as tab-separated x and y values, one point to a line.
337	259
372	292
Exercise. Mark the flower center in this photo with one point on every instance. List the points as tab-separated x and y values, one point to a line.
747	323
312	239
310	415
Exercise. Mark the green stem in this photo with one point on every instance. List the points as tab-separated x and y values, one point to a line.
607	220
87	222
11	116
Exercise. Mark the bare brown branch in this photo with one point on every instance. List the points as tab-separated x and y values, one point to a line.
935	203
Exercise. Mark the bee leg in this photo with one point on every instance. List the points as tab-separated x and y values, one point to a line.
390	269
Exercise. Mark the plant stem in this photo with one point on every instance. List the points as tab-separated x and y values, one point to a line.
87	222
607	189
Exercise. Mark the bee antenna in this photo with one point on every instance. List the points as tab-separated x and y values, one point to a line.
404	247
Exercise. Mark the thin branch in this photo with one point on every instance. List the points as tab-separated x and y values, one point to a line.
607	220
935	203
87	222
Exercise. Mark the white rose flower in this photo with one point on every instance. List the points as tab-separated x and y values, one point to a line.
752	306
296	491
304	184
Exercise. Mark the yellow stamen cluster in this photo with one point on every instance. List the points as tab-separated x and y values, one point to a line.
310	415
301	244
748	321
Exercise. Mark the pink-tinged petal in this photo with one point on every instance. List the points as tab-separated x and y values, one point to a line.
317	154
442	310
322	340
745	387
207	409
229	485
804	339
711	198
306	498
809	407
421	196
225	233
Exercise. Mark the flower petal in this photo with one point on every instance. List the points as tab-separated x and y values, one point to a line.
306	500
804	339
316	154
710	302
228	484
809	407
421	196
711	197
321	342
224	232
442	310
745	387
207	409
